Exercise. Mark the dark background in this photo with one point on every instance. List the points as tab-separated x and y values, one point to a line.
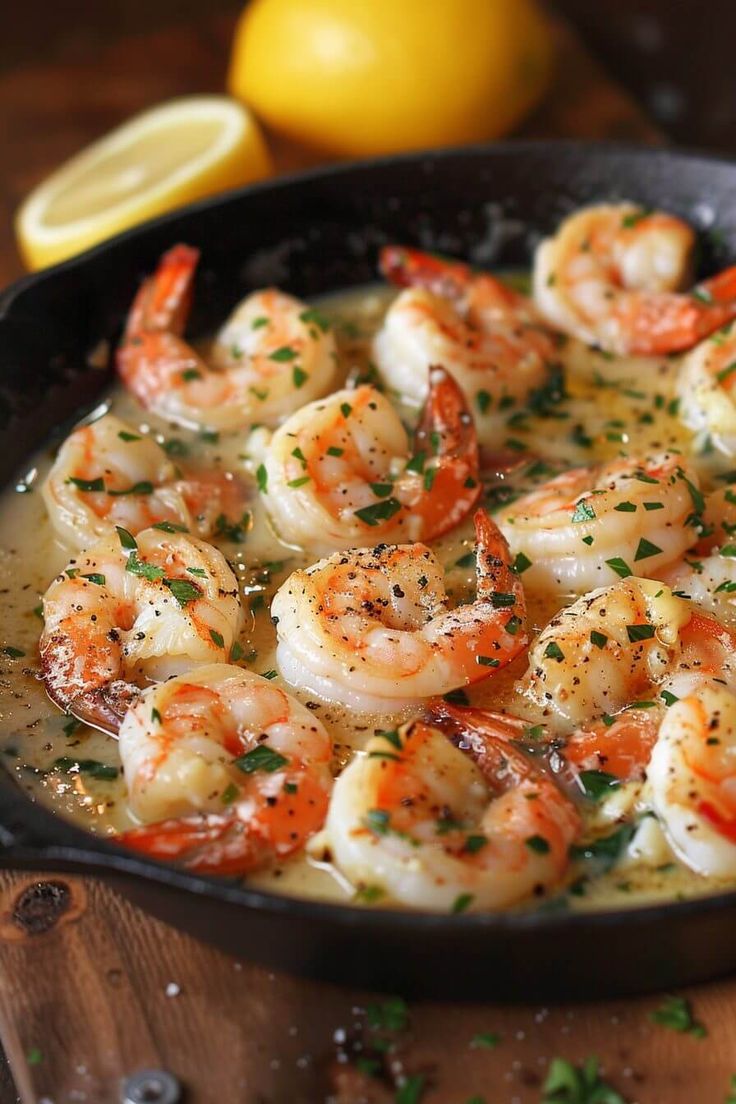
71	70
677	56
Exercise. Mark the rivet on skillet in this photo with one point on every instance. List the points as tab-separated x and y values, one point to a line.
151	1087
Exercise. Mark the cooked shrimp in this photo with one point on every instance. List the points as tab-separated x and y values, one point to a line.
634	641
227	771
705	387
444	829
587	526
340	472
613	275
107	474
129	611
272	355
488	336
371	627
709	581
604	652
692	774
618	748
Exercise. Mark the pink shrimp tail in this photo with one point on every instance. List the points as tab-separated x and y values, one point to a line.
152	355
407	267
461	721
208	843
669	323
246	836
450	279
456	486
163	300
495	573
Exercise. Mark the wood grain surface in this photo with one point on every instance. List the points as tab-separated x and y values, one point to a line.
90	988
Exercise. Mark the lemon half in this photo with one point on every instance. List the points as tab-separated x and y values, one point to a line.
172	154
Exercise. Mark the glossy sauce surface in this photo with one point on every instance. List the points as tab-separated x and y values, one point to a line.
607	408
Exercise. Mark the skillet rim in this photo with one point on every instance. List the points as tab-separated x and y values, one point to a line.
82	852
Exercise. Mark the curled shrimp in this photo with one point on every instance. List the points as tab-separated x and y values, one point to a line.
604	651
488	336
108	474
445	829
585	527
693	780
340	472
613	275
121	615
709	582
227	772
371	628
272	355
634	641
705	388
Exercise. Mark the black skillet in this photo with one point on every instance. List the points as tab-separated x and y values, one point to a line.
311	234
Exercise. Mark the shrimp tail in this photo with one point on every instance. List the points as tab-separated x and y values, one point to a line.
164	300
447	430
153	355
447	278
406	267
667	323
207	843
105	708
489	739
497	579
466	722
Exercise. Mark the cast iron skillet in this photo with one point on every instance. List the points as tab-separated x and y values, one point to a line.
311	234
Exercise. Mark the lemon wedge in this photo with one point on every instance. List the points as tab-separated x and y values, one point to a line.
170	155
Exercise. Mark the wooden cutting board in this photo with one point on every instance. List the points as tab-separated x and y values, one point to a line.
91	989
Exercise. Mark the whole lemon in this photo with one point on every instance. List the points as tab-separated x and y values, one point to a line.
361	77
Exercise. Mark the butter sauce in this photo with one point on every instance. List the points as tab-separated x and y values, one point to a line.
612	407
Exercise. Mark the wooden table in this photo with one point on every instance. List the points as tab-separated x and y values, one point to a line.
90	988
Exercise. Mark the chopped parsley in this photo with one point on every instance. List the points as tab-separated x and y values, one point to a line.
183	590
583	512
147	571
645	549
283	354
501	600
676	1013
127	540
261	758
88	484
620	566
103	772
570	1084
379	511
636	633
597	784
485	1040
